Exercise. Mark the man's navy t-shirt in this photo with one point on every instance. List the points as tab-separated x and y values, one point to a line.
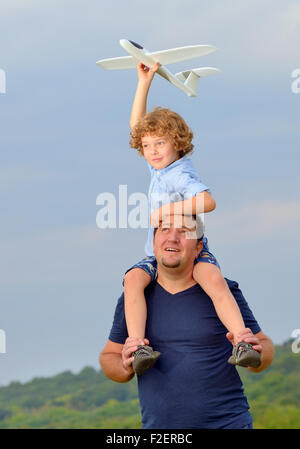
191	385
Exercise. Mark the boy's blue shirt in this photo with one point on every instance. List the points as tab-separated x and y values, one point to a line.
176	182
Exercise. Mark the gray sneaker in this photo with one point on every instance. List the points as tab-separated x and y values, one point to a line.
144	358
244	355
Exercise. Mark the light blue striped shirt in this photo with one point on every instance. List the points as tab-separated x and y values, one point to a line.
176	182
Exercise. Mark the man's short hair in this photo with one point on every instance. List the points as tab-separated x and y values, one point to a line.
199	232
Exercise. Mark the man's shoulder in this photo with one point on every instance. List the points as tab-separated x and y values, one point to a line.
118	333
120	300
232	284
235	290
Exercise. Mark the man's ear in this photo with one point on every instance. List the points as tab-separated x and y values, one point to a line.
199	248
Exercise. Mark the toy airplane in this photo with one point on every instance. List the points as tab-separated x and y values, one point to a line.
186	81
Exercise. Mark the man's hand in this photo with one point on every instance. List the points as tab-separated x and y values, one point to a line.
261	343
248	337
130	346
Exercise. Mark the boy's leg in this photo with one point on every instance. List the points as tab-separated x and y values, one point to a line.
135	282
211	280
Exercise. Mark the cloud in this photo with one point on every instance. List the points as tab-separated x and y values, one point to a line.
70	31
255	221
13	175
255	39
84	253
49	256
69	255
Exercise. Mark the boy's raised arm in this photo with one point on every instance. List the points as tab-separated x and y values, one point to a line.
139	106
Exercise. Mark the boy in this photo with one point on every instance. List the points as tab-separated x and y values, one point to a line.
164	139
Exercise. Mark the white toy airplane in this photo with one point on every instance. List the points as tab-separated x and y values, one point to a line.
190	78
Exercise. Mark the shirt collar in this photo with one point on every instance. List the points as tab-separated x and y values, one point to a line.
182	161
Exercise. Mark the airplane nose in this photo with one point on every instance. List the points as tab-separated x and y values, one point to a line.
123	42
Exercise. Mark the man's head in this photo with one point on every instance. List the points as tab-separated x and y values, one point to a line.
178	241
165	123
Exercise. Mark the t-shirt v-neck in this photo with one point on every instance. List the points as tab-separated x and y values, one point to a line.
182	292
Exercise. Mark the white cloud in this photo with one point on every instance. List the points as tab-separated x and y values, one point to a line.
17	174
255	221
251	35
85	253
82	253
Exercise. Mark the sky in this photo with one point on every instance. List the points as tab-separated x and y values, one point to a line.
64	139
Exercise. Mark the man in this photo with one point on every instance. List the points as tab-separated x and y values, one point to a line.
191	385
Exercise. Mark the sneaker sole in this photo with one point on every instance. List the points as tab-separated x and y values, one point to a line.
253	360
145	363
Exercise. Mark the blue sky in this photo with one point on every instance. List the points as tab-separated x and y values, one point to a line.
64	139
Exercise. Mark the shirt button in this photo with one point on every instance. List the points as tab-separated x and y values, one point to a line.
158	173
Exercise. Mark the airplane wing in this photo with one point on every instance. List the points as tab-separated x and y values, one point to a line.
164	57
201	71
124	62
181	53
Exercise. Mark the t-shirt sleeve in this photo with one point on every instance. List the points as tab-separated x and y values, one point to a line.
118	332
192	186
246	312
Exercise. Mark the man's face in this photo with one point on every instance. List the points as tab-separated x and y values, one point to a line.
173	244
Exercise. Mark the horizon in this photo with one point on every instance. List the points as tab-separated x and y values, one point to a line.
99	370
65	141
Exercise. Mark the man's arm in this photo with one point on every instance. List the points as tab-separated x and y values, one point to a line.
261	343
266	352
116	359
139	106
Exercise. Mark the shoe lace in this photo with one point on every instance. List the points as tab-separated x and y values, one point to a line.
242	347
142	352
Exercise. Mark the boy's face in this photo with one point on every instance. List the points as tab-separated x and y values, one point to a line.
159	151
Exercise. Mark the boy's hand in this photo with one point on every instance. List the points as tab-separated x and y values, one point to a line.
165	211
155	218
159	214
146	74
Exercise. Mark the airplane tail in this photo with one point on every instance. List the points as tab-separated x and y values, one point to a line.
191	77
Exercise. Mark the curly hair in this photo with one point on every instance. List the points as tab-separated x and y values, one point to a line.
163	122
